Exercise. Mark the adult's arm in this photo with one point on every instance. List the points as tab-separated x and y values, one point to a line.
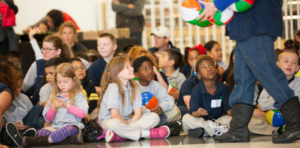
125	10
30	77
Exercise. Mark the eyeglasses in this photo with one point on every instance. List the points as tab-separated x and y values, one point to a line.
79	68
46	49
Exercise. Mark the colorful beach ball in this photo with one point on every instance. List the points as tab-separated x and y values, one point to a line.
275	118
191	9
241	5
149	100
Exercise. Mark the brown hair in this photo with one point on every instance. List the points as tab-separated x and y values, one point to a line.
110	75
66	70
9	76
110	36
58	43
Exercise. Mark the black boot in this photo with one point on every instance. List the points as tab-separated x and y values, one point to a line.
75	139
35	141
238	131
291	114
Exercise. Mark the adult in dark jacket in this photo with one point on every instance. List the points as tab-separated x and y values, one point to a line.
130	14
255	32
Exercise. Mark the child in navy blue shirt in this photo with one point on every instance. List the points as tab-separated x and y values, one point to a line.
107	45
209	101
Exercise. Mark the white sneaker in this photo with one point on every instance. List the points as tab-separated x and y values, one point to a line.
219	129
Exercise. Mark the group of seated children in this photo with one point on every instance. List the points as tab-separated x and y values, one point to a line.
127	94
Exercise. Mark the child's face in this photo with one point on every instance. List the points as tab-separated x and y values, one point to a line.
79	70
42	28
192	55
65	84
216	52
126	73
68	35
49	51
106	47
50	72
163	60
145	73
207	70
288	63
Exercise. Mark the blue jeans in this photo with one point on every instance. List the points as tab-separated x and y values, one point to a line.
34	117
255	60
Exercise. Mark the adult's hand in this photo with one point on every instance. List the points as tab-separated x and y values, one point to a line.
208	12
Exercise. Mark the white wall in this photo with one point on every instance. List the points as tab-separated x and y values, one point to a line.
87	13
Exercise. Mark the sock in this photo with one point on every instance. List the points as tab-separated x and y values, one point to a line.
62	133
145	133
43	132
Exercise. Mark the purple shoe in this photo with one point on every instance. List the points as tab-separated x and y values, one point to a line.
110	136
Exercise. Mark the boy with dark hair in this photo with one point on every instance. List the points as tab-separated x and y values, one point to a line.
209	102
46	89
170	61
166	109
107	45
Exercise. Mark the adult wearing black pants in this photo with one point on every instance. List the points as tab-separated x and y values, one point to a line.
255	32
130	14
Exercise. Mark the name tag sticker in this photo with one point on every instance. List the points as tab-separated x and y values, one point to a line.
216	103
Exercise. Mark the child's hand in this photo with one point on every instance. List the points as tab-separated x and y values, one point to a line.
155	70
157	110
66	104
20	126
175	94
47	124
32	32
57	103
202	112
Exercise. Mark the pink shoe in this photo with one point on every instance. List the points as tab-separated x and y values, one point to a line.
102	136
159	133
110	136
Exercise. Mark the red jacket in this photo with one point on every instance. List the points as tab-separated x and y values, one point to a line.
8	15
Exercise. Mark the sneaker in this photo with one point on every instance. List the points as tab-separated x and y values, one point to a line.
102	136
13	133
110	136
160	132
196	133
219	129
175	128
31	132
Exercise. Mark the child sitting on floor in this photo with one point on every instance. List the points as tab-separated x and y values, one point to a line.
209	102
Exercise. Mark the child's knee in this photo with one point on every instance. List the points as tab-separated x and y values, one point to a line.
110	124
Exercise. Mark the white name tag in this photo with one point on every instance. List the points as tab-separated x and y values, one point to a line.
216	103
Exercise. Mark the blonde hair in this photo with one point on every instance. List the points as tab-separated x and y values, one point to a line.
66	70
110	75
138	51
68	24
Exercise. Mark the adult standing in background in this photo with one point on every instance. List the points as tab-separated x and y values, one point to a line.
8	38
255	32
129	14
